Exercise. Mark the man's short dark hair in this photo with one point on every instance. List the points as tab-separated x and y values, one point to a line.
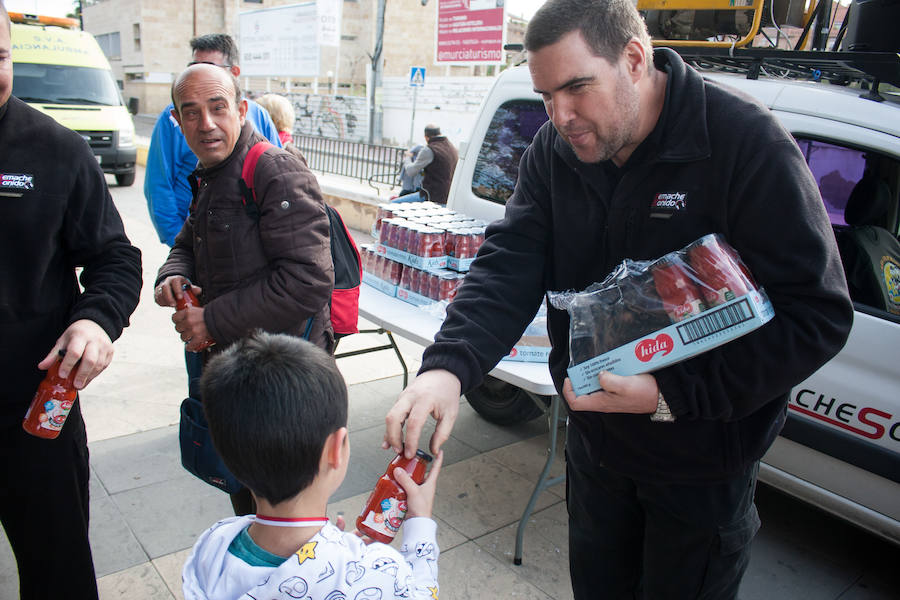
432	130
238	95
217	42
271	401
606	25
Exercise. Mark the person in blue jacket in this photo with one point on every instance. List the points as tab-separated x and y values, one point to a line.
170	161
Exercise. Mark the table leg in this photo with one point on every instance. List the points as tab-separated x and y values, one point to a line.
543	482
391	346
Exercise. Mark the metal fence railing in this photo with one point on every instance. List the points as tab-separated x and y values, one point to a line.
366	162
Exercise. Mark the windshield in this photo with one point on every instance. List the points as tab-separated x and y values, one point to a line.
62	84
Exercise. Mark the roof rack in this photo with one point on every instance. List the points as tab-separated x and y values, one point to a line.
813	65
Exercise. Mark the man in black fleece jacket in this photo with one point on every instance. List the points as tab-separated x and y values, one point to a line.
56	214
661	467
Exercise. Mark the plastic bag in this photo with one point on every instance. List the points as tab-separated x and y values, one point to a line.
649	314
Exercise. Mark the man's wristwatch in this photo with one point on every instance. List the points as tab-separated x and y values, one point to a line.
662	414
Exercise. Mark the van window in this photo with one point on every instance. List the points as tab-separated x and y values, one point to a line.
61	84
510	132
836	169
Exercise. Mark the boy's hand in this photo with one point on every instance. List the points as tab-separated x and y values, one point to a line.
420	498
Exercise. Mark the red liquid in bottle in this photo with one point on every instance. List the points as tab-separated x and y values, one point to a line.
386	508
52	402
189	299
681	298
721	275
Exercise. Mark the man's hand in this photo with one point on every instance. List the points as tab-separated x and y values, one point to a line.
420	498
433	392
86	341
190	324
636	394
168	292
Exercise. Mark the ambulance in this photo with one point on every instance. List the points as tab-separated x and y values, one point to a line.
62	72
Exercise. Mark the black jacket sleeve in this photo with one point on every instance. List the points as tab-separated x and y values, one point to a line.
504	287
95	239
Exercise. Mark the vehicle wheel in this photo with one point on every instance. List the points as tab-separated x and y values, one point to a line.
503	403
125	179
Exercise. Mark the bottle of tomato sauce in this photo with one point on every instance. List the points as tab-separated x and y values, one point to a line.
52	402
188	298
386	508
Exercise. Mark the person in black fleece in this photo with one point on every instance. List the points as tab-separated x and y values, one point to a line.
661	467
56	215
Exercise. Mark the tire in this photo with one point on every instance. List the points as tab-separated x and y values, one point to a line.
125	179
502	403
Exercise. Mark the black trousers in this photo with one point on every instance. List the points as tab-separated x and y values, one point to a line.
656	541
44	509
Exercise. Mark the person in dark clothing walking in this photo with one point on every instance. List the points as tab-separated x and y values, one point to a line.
661	467
56	215
436	162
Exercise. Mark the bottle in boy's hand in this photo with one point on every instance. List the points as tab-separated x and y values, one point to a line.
52	402
188	298
386	508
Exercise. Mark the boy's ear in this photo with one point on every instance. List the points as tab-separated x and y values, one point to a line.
337	448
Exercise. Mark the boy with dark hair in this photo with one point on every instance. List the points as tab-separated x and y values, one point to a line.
277	412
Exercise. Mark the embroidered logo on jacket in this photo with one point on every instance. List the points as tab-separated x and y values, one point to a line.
666	204
16	181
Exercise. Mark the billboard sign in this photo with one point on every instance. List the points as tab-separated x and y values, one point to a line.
280	42
329	13
469	32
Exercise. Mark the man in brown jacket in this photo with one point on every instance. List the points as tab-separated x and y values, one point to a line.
273	272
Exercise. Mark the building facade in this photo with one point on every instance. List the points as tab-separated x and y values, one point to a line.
147	43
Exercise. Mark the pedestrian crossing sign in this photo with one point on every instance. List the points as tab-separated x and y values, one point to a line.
417	77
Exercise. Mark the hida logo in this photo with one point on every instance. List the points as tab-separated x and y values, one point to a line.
648	348
16	181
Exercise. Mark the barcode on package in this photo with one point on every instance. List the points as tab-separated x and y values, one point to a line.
715	321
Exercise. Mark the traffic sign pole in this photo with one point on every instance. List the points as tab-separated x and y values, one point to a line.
416	80
412	123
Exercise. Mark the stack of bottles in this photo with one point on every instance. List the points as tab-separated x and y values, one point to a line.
417	286
427	235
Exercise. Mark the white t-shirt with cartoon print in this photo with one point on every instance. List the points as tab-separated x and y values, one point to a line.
332	565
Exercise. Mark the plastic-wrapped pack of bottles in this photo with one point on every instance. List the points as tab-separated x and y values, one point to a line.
649	314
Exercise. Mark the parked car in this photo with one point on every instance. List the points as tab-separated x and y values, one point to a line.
840	449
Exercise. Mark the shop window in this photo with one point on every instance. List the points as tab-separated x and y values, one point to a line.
510	132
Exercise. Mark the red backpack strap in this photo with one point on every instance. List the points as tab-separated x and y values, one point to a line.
248	193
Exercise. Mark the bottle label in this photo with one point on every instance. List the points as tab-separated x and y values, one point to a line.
54	415
388	521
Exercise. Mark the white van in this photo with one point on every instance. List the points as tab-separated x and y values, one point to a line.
840	449
62	72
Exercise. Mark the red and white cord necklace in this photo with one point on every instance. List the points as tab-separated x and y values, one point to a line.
290	522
